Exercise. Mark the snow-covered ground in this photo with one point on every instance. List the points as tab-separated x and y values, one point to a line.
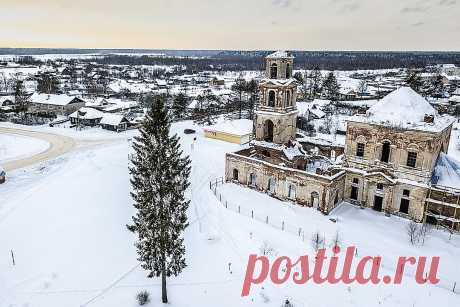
14	147
65	222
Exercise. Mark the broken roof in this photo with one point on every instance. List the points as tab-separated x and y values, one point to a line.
406	109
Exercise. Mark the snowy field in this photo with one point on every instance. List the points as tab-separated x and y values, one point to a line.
14	147
65	222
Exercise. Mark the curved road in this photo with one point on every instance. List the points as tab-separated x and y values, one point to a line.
59	145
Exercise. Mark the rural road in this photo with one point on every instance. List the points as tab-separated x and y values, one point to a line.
59	145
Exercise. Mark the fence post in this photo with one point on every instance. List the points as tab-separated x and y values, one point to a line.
252	213
226	205
300	230
455	284
216	182
210	185
239	209
282	226
266	220
220	197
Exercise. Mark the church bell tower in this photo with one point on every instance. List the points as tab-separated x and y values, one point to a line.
276	114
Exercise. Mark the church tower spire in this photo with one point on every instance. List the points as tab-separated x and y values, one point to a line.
276	114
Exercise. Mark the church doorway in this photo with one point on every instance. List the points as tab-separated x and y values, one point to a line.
315	200
235	174
268	131
378	202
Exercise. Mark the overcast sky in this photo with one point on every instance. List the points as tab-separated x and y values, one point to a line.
232	24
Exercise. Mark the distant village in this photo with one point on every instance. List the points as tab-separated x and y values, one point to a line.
80	94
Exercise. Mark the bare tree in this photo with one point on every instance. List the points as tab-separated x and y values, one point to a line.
362	87
413	232
317	241
337	240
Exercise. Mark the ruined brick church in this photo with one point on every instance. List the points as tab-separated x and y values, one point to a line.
395	159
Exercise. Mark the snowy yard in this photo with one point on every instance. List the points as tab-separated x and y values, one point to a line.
16	147
65	222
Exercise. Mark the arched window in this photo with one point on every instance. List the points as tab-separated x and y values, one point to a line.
291	191
314	200
271	98
288	71
385	152
288	99
273	71
235	174
271	185
268	131
252	179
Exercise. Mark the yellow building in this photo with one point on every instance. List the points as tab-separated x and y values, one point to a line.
235	131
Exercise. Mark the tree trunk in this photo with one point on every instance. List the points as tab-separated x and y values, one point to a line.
164	295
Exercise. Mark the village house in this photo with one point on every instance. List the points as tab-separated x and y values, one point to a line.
56	104
86	117
395	159
114	122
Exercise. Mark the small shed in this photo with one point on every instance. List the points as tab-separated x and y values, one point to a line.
114	122
233	131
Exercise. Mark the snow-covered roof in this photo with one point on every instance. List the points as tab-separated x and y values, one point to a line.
53	99
457	91
406	109
446	172
87	113
280	54
295	151
236	127
112	119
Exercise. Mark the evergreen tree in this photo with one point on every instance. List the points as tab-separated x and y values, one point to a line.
179	106
160	175
47	84
437	87
315	78
414	80
331	87
252	88
21	98
239	87
208	108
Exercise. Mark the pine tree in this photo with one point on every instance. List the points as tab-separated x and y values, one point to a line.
160	175
208	108
179	106
331	87
315	82
414	80
239	87
437	87
21	98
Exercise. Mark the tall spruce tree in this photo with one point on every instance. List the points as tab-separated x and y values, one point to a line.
160	175
331	87
179	106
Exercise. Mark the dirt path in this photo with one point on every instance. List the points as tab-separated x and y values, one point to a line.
59	145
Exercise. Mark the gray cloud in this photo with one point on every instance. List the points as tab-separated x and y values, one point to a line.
447	2
346	6
415	9
418	24
282	3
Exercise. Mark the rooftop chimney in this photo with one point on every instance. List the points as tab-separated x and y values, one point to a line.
428	118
